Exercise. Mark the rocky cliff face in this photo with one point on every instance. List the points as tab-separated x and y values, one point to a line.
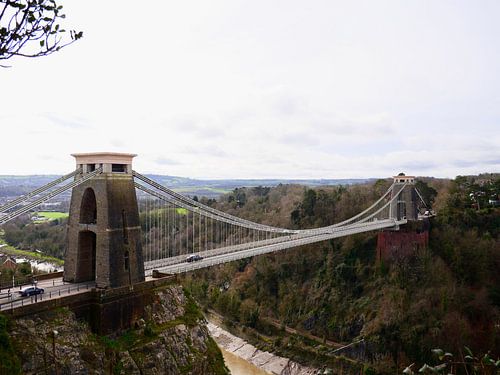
172	339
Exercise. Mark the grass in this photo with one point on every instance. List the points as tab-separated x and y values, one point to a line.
10	250
53	215
49	215
125	341
181	211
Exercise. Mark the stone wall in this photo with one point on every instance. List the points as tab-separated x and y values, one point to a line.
48	276
115	259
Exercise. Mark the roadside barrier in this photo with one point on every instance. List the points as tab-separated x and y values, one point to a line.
23	301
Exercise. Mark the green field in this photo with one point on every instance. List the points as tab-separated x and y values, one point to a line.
181	211
53	215
49	216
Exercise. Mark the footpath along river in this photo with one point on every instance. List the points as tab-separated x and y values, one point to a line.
243	358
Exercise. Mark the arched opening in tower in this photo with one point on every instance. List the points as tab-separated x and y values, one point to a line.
88	210
86	256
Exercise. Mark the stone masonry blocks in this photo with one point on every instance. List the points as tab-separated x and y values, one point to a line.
117	233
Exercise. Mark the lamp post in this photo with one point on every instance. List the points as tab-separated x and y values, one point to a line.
54	334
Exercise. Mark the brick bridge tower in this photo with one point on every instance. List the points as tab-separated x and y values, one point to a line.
104	234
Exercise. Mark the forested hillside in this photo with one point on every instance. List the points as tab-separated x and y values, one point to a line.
48	238
446	296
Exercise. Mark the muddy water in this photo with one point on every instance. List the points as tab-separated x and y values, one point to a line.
243	358
239	366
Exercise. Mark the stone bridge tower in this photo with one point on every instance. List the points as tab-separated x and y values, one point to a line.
104	234
405	205
414	235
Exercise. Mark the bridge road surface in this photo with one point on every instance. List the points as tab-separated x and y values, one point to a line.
53	288
182	266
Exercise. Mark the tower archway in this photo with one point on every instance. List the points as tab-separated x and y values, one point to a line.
87	247
88	208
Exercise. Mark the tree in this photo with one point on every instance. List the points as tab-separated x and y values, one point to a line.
428	193
309	202
31	28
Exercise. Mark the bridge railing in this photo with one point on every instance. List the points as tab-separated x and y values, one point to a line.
217	251
299	241
13	301
285	241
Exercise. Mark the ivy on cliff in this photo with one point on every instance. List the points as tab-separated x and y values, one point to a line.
9	362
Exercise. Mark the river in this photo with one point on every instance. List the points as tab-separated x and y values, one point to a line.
243	358
239	366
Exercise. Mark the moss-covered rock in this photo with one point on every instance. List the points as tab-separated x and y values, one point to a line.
172	339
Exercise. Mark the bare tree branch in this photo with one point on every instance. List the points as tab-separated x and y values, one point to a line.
31	28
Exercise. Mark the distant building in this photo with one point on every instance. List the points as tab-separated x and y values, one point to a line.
9	264
494	202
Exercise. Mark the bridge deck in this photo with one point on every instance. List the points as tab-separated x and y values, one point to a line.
53	288
57	288
228	254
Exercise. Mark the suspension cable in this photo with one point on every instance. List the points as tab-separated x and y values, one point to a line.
41	189
188	203
10	216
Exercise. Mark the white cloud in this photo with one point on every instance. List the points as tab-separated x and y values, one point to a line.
259	89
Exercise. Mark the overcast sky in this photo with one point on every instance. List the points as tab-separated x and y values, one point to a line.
259	89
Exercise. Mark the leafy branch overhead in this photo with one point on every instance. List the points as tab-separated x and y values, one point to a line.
32	28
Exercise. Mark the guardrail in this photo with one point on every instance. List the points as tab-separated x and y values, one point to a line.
23	301
21	281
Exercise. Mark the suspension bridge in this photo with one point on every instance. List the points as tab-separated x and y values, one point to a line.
123	225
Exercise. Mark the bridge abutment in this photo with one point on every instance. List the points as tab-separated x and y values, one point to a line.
106	311
403	243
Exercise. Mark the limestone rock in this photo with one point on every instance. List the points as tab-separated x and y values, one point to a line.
167	341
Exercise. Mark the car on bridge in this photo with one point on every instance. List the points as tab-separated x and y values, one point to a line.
194	258
30	291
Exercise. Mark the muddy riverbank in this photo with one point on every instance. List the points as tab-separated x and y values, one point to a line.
269	363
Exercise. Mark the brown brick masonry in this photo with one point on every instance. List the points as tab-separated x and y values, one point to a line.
395	245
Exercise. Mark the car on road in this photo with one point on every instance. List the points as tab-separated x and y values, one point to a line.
30	291
193	258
